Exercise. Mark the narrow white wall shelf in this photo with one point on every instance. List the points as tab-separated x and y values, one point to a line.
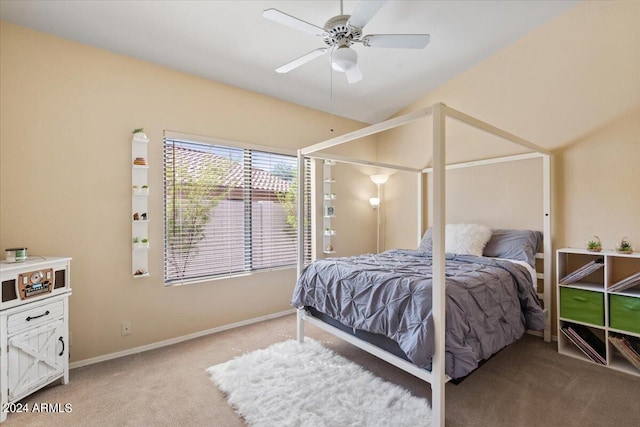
328	210
139	206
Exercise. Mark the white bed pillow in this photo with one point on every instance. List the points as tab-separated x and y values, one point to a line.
466	239
461	239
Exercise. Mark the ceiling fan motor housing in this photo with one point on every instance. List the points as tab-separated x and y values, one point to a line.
339	33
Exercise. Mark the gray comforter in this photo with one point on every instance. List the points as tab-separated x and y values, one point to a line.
490	303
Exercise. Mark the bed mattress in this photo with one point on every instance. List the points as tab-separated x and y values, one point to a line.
490	302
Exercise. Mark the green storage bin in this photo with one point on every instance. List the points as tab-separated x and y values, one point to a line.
624	313
581	305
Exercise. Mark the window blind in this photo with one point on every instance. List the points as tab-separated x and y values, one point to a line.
229	210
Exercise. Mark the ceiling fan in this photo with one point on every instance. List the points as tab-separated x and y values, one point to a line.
340	32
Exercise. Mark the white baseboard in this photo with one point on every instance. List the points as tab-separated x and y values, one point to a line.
176	340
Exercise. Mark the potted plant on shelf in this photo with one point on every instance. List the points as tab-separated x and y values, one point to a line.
624	247
139	135
144	243
144	189
594	245
136	243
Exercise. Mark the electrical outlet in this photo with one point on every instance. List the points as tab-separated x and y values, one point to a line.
126	328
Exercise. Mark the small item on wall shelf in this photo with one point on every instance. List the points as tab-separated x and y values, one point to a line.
139	273
139	134
624	247
136	217
594	245
140	161
144	190
144	216
328	248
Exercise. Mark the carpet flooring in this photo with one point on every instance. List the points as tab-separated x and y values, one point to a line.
527	384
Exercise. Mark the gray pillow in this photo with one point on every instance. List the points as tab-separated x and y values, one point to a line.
426	244
520	245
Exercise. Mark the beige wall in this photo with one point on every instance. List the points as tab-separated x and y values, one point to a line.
572	86
598	185
515	203
66	114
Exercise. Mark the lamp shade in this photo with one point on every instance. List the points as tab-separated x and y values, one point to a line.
344	59
379	179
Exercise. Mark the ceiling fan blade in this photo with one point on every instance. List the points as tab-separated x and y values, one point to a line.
405	41
290	21
354	75
302	60
364	11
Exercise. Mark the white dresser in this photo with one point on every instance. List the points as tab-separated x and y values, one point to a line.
34	326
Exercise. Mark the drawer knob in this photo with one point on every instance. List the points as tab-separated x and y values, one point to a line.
29	318
583	299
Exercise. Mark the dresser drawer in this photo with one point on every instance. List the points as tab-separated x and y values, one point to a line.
581	305
35	316
624	313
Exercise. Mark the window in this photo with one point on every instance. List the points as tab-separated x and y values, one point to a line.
229	210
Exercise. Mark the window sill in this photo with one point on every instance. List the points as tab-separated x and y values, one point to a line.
225	277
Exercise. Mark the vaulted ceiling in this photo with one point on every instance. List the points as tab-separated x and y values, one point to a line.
230	42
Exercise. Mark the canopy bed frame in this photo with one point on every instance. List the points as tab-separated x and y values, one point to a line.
438	114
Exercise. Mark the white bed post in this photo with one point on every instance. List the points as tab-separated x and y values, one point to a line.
300	200
438	290
547	243
420	212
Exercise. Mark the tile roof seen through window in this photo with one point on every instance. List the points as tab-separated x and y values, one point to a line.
260	179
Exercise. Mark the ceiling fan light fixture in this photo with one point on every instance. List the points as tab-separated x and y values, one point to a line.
344	59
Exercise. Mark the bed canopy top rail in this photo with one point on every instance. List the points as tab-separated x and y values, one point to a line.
369	130
342	159
479	124
491	161
439	113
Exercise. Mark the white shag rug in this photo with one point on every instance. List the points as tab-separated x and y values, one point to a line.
293	384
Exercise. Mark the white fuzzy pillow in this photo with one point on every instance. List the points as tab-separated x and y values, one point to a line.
466	239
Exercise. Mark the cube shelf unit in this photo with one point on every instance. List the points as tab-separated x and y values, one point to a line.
589	303
328	209
139	207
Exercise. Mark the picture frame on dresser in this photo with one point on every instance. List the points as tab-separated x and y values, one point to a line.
598	296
